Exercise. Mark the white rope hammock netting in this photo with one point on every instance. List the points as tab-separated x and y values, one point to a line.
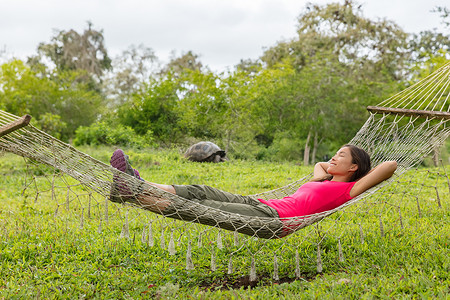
405	128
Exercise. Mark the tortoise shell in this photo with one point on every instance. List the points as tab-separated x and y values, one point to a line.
205	152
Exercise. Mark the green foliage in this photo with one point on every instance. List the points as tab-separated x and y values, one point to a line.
375	48
22	89
319	83
104	133
188	61
286	147
323	100
429	63
153	110
58	101
201	104
52	124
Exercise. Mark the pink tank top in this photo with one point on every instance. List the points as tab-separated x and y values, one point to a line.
311	198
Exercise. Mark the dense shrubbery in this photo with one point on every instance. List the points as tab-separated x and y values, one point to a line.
104	133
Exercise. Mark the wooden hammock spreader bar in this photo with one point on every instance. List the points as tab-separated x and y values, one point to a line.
410	112
15	125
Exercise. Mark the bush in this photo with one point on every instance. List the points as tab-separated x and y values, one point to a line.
102	133
286	147
52	124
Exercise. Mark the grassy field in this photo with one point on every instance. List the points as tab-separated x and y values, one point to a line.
56	243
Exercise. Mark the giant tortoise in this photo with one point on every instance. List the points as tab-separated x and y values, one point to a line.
205	152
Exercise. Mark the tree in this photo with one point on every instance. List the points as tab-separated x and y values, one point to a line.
178	65
376	47
200	103
430	49
22	88
444	14
129	73
339	62
299	110
153	110
71	51
55	100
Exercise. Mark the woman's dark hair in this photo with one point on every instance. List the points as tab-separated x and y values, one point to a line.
361	159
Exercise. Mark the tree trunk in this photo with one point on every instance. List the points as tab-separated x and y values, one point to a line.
307	148
316	144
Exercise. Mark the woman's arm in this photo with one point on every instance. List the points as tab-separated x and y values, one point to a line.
378	174
320	170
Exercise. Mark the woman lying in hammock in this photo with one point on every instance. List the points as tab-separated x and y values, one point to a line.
345	176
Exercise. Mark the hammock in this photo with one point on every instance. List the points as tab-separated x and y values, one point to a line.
404	128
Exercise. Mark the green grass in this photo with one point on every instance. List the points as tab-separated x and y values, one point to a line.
59	244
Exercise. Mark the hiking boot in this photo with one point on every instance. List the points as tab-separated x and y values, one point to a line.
121	162
124	190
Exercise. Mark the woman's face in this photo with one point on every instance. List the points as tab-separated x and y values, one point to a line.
342	163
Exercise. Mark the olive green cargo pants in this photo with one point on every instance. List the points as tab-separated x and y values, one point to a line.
215	198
